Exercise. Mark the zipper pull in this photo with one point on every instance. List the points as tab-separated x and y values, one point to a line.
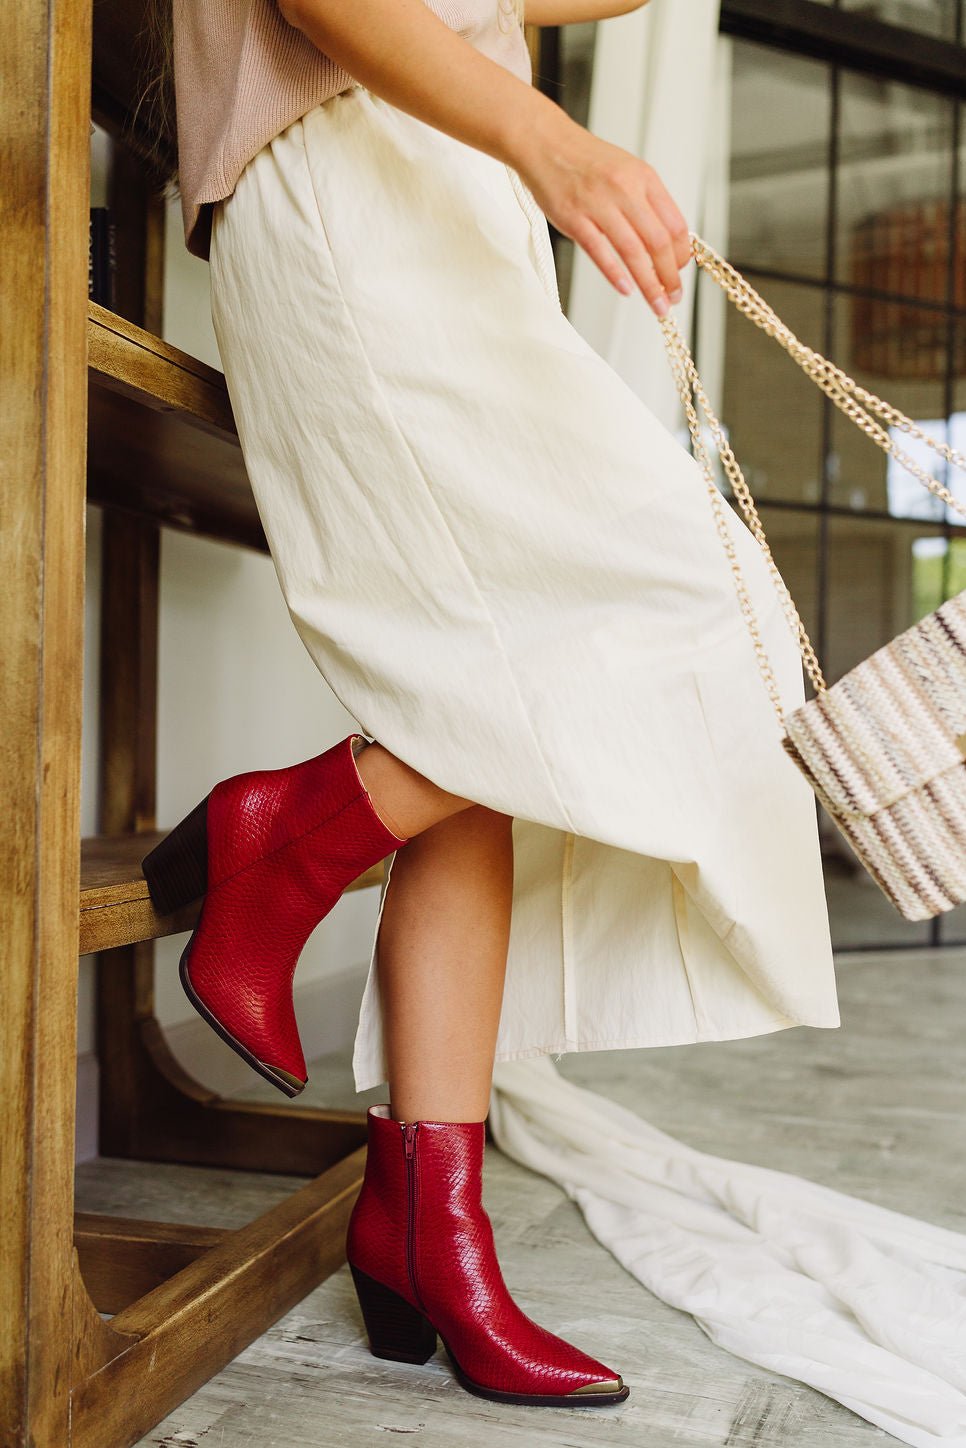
409	1136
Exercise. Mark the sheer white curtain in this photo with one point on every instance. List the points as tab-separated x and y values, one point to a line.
866	1305
661	89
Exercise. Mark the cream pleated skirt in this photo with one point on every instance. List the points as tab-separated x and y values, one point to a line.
507	570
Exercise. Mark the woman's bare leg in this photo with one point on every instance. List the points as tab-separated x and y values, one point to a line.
441	965
404	799
442	941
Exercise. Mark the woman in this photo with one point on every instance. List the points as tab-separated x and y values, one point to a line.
508	572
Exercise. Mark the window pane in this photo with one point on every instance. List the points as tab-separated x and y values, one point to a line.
576	60
928	17
948	577
959	279
895	151
899	352
954	566
781	109
955	477
772	412
883	576
794	539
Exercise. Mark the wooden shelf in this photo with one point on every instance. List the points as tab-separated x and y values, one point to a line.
115	907
162	440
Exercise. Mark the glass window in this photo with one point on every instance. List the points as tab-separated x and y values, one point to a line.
952	926
899	351
882	576
847	212
893	182
954	477
929	17
794	537
781	116
959	270
772	411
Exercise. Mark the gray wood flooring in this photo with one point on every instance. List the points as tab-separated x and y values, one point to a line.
875	1108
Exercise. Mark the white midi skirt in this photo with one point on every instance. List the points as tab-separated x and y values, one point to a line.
507	570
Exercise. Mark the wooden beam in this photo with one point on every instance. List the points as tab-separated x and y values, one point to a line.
189	1327
861	42
44	137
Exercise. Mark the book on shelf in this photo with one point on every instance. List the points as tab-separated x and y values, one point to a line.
102	257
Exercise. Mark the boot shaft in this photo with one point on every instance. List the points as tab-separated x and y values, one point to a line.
260	812
272	850
419	1224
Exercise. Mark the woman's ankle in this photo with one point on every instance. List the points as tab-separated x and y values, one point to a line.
405	800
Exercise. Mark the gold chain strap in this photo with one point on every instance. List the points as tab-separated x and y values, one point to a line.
854	400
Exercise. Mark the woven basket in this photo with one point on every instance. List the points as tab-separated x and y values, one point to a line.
884	748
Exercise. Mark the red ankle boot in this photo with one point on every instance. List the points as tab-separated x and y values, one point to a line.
271	850
420	1248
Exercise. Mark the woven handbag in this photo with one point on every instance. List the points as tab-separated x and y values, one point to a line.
884	748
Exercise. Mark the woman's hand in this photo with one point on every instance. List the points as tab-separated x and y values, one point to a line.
612	204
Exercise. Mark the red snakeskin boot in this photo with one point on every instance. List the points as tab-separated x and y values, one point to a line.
271	850
420	1248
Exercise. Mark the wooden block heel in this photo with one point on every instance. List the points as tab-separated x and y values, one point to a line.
177	869
396	1329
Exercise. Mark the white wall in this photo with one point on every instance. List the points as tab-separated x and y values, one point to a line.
237	690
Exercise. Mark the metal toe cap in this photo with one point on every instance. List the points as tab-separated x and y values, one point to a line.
605	1385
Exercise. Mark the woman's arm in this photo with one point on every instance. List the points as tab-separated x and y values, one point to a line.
596	193
569	12
404	52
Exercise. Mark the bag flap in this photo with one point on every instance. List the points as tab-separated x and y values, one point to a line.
894	722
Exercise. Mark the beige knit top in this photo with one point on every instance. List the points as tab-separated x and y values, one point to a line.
242	74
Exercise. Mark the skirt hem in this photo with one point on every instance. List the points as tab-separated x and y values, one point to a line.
568	1048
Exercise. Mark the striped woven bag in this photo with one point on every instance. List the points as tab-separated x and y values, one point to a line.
884	748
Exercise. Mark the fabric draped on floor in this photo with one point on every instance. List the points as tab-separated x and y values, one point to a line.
863	1303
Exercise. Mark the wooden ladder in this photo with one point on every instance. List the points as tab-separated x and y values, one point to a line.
97	408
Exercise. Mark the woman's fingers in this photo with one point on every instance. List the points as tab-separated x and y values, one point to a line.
647	256
649	233
615	206
670	214
588	235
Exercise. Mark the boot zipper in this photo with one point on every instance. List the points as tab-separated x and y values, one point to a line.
409	1144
